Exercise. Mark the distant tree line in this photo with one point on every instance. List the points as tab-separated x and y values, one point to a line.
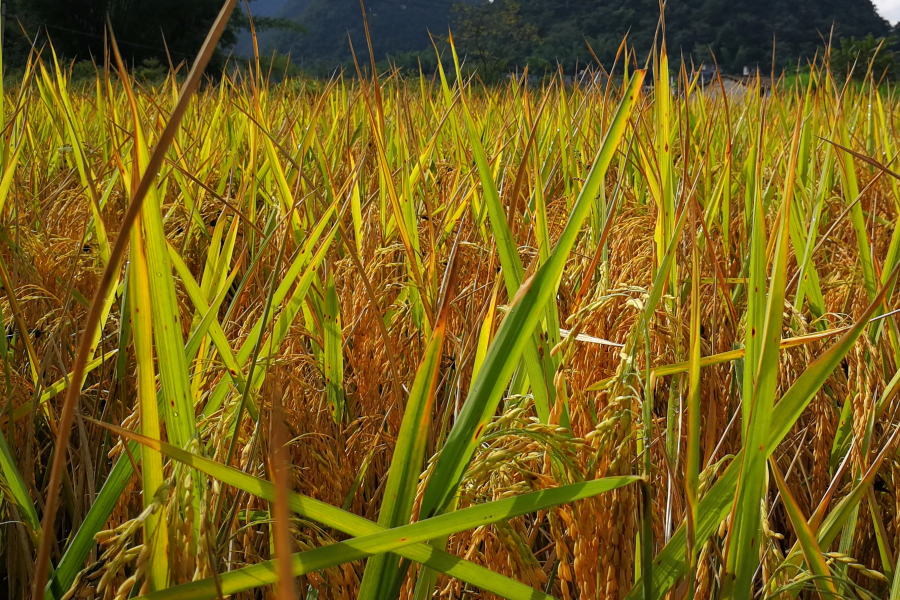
500	36
493	37
571	34
869	56
148	32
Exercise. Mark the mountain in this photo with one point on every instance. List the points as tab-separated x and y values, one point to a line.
267	8
739	32
395	26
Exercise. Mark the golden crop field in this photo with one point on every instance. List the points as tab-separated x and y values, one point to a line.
415	337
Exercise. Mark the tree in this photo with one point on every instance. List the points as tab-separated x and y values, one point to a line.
739	32
145	30
546	33
493	34
855	57
395	27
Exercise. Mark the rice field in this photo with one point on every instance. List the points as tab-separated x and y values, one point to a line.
412	337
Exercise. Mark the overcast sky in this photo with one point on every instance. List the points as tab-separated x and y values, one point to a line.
889	9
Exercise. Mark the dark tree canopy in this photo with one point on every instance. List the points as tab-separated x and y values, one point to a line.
394	25
498	35
143	28
739	32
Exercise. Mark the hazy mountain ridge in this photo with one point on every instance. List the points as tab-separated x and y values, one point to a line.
394	25
739	32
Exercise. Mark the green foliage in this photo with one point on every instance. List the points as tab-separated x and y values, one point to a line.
279	65
144	30
149	32
493	34
854	57
151	71
546	33
395	26
739	32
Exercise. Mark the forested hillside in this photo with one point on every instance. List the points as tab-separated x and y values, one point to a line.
395	26
500	35
740	32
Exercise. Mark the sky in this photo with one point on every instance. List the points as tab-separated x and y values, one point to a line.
889	9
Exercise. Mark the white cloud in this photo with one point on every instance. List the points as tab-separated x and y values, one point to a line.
889	9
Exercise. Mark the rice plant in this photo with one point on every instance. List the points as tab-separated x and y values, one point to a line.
393	336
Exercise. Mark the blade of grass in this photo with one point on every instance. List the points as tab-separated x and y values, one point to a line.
303	265
393	539
717	503
334	358
343	521
381	576
15	486
805	536
745	535
167	338
511	263
692	475
92	322
151	461
517	326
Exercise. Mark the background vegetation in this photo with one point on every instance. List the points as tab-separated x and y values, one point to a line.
497	37
547	33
